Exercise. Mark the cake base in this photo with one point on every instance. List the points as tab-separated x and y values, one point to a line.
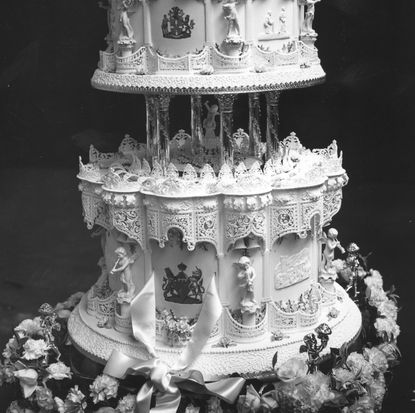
248	360
284	78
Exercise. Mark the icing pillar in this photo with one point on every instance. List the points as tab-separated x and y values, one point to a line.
197	133
254	129
272	121
163	123
153	143
209	26
146	23
226	123
249	23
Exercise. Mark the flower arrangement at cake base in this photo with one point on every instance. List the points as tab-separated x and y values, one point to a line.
42	372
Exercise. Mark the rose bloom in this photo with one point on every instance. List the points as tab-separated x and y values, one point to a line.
376	358
30	327
59	371
126	404
104	387
34	349
44	398
292	370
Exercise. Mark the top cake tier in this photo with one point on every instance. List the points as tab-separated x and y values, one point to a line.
208	46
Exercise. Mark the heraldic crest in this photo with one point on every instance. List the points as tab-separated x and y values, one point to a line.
181	288
177	25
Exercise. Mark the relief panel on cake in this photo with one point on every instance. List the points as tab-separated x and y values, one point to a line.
177	26
293	266
274	23
181	276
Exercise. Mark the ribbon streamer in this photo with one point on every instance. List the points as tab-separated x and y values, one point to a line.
167	381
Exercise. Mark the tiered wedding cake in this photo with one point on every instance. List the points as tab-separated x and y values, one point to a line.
212	215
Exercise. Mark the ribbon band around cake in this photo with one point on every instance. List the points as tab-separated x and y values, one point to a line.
167	381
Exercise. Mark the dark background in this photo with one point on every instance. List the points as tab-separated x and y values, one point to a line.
49	115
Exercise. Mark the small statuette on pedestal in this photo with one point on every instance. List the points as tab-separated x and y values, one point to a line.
307	29
246	277
328	273
269	23
127	31
122	266
283	22
232	45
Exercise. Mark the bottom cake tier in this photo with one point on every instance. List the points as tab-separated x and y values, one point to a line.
220	359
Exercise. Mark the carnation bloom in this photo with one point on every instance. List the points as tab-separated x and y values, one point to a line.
343	376
30	327
376	358
388	309
292	370
74	401
59	371
363	404
377	390
375	280
28	381
34	349
104	387
359	366
126	404
388	327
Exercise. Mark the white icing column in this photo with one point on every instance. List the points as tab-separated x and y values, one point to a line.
153	146
267	271
209	26
196	120
146	23
163	126
254	129
249	21
272	121
226	124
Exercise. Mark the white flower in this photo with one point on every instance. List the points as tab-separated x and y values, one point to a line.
387	327
126	404
376	358
59	405
375	280
59	371
388	309
30	327
359	366
73	402
28	381
104	387
292	370
34	349
377	296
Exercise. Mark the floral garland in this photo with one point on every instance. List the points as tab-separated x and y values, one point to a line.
39	368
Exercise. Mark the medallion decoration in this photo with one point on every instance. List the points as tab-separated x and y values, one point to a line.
176	24
182	288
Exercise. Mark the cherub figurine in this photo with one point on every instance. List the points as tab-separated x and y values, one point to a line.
232	18
331	242
246	278
123	267
209	123
309	17
283	21
127	31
